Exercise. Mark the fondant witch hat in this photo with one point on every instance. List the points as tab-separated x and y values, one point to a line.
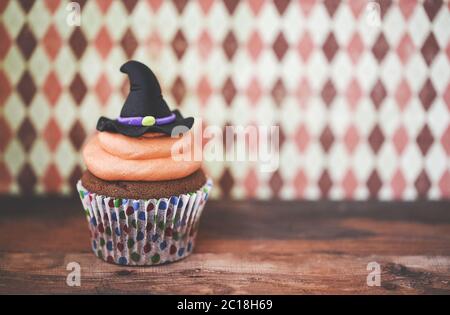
145	110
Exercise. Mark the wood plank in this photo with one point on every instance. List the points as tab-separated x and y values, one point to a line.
243	247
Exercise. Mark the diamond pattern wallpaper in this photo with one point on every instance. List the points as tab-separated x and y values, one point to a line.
363	107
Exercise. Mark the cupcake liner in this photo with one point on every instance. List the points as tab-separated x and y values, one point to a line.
144	231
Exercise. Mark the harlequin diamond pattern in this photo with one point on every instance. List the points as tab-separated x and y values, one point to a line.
364	111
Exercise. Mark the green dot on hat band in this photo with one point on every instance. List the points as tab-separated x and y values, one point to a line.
148	121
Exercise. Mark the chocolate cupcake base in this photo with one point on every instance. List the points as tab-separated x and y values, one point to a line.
143	190
148	231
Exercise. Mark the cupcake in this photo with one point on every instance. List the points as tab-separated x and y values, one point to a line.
142	205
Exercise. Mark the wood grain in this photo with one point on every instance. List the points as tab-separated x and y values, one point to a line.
243	247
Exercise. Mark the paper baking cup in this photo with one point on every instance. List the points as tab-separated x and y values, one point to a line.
144	231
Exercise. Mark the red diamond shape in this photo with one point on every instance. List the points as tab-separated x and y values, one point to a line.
52	180
230	45
380	48
5	87
155	44
5	134
445	140
305	46
444	184
331	6
281	5
280	46
400	139
302	138
229	91
178	90
52	5
326	139
398	184
378	94
26	88
103	89
231	5
27	134
205	5
430	49
376	139
407	7
303	92
104	5
254	91
255	45
129	43
422	184
204	90
432	8
226	183
26	41
278	92
328	92
330	47
130	5
52	134
405	48
103	42
276	183
355	48
446	96
307	6
52	42
353	94
349	183
403	94
52	88
77	135
300	183
325	184
357	6
425	139
374	184
351	138
427	94
5	178
27	179
251	183
179	44
78	42
205	45
78	89
5	41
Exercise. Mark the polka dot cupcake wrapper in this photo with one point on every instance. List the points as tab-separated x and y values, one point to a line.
143	232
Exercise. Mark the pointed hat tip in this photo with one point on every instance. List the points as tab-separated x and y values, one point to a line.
126	67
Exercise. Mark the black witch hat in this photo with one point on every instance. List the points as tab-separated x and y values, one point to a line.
145	110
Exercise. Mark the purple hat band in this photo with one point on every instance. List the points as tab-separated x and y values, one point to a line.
145	121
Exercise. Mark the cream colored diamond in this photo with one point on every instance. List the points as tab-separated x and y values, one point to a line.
14	157
65	66
39	66
14	65
39	19
14	111
13	18
39	157
39	111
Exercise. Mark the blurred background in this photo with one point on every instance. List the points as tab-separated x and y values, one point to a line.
362	96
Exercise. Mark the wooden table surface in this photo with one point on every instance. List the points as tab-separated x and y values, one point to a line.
243	247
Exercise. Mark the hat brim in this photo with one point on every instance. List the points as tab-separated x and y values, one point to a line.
112	125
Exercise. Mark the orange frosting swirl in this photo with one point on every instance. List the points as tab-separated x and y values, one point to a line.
112	156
